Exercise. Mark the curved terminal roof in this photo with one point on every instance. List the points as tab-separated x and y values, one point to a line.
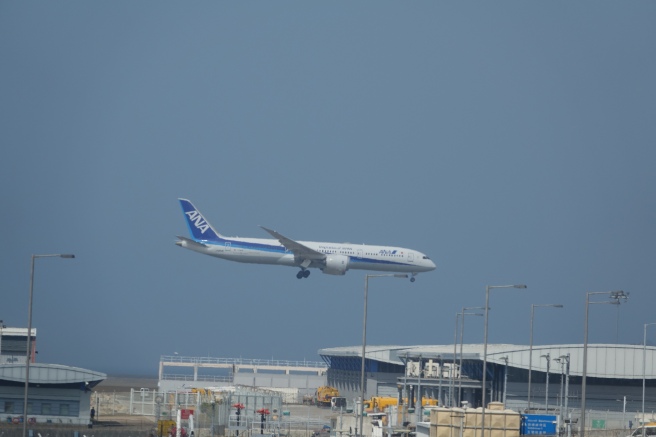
54	374
604	360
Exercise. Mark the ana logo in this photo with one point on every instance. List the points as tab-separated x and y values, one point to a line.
197	220
388	252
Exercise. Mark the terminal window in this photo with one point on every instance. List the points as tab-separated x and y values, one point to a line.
9	407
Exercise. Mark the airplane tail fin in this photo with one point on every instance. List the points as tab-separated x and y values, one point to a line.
199	228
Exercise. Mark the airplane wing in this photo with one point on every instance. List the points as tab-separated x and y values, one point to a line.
296	248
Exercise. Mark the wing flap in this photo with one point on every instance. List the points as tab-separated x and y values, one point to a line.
298	249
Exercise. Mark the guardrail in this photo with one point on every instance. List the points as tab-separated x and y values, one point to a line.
242	361
206	378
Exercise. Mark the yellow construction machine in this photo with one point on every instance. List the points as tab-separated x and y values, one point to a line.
324	394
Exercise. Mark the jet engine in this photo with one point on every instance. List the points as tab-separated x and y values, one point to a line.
336	265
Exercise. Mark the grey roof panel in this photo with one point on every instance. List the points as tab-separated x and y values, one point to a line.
41	373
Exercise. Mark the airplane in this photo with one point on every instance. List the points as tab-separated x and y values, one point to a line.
330	258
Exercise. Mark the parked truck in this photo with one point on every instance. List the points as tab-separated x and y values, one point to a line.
324	394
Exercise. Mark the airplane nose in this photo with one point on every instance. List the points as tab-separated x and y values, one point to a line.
431	265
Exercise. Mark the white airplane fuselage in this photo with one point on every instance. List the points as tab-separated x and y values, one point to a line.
330	258
360	256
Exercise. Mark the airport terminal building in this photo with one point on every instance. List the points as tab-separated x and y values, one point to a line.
441	372
613	383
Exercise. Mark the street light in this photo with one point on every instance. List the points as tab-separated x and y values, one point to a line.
28	353
440	364
364	337
505	379
530	348
617	295
623	412
546	390
564	368
487	307
644	371
462	332
452	396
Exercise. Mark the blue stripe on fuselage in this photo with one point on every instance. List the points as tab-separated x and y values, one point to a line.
377	261
281	250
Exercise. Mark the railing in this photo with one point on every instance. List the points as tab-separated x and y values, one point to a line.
242	361
237	423
206	378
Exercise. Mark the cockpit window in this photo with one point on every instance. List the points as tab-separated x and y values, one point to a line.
425	257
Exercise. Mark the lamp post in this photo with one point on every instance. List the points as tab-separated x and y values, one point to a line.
364	338
462	332
561	360
546	385
452	384
418	403
28	353
483	383
440	363
644	372
505	379
559	395
566	404
617	295
530	348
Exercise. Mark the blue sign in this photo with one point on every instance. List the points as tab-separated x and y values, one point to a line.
538	424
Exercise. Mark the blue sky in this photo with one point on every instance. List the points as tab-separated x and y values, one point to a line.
513	142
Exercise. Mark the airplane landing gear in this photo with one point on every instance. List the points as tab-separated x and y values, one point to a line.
412	279
303	274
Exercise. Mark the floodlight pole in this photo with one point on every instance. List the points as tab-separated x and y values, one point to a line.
546	390
505	379
644	372
530	348
440	363
462	333
28	353
483	382
364	339
452	383
617	295
563	360
567	385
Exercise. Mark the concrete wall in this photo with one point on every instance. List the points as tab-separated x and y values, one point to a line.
306	384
